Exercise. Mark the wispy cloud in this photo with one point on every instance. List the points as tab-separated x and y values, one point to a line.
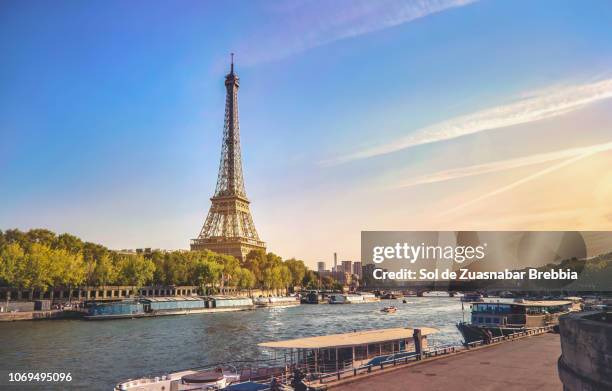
528	178
502	165
548	104
298	26
587	152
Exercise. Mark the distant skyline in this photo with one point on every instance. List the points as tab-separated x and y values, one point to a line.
354	115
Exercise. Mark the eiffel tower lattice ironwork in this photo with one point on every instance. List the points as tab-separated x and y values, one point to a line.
229	227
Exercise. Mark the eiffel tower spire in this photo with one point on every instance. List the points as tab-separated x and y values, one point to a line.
229	227
229	180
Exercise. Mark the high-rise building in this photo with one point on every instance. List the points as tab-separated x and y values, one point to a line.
367	275
357	268
347	267
229	228
335	269
320	267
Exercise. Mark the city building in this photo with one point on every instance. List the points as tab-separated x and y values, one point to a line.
367	275
347	267
357	269
320	267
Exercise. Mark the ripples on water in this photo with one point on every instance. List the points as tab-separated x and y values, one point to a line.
101	353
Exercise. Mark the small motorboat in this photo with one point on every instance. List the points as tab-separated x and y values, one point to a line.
389	310
209	379
404	301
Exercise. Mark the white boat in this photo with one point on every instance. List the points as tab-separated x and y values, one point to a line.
195	380
472	297
341	298
352	298
435	294
368	297
389	310
276	301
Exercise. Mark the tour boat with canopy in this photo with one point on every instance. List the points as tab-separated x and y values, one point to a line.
332	353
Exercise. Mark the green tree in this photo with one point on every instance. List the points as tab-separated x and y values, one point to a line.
135	270
286	277
328	282
41	236
69	242
231	267
269	277
105	271
39	259
92	253
310	280
298	271
15	236
255	262
12	264
159	260
206	273
68	269
39	272
178	267
246	279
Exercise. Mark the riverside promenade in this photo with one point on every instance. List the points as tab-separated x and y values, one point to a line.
523	364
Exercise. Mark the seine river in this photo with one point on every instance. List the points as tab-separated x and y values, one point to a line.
99	354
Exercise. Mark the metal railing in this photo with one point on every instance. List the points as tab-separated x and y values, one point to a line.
323	378
354	371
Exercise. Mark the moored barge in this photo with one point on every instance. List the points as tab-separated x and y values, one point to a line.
497	319
352	298
277	301
162	306
472	297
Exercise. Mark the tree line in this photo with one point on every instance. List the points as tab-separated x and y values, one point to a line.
40	259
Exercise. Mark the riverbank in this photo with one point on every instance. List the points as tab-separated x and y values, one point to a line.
39	315
81	315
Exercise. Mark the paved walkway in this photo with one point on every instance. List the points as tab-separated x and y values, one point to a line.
525	364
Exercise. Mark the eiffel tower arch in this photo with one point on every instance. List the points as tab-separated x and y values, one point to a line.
229	228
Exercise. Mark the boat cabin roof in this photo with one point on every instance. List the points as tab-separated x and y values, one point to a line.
541	303
171	298
348	339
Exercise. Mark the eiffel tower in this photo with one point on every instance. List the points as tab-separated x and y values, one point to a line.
229	227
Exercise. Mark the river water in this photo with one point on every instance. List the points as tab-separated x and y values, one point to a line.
99	354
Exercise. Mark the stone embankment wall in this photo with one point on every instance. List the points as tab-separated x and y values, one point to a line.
586	358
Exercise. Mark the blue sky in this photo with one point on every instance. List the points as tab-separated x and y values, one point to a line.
354	115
